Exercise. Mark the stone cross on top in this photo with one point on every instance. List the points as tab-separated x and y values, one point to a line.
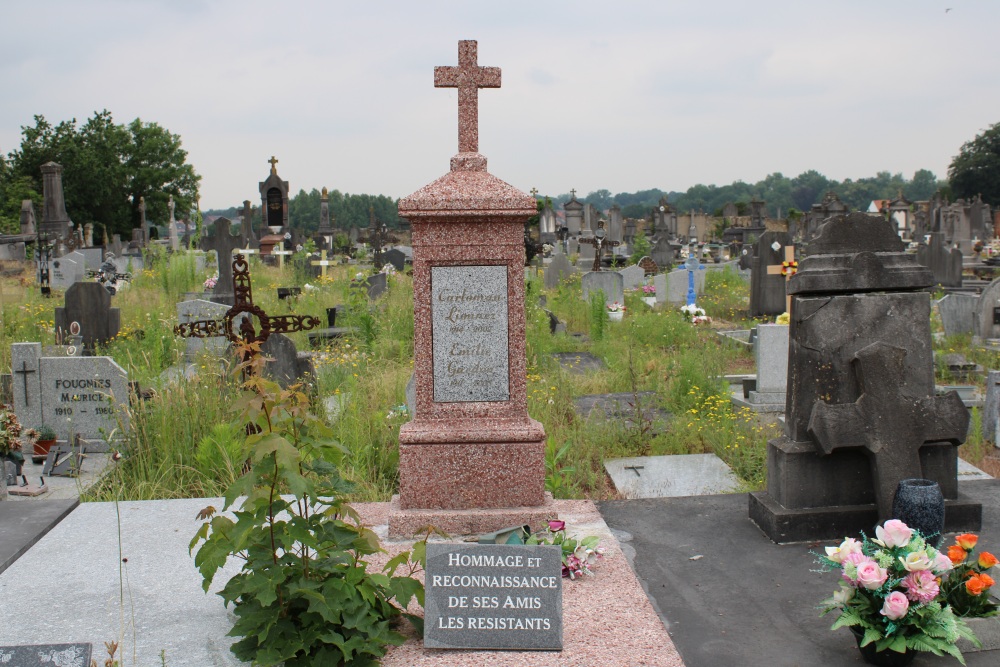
887	422
468	77
273	162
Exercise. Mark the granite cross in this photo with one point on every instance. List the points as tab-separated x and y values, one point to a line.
787	268
223	243
273	162
24	375
889	423
599	240
246	311
468	77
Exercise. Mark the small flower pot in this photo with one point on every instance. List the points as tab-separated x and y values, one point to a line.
882	658
649	301
616	315
41	450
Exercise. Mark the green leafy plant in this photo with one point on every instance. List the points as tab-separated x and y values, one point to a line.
46	432
304	595
222	448
598	315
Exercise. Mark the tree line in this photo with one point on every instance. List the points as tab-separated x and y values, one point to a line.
346	210
107	168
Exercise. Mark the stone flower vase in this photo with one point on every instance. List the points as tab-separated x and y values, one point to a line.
882	658
616	315
919	504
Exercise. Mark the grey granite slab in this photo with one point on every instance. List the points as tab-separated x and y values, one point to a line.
23	524
620	406
579	363
73	573
46	655
671	476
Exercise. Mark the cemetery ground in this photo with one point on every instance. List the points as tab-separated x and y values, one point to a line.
185	443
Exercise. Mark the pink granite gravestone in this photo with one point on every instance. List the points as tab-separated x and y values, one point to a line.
471	460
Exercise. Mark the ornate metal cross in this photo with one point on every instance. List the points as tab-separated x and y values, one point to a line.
787	268
889	423
468	77
246	311
377	236
599	240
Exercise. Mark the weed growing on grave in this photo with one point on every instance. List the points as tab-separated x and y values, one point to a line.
303	596
598	315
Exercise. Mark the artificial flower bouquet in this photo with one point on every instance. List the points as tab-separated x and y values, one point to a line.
579	555
967	588
210	283
695	315
893	592
649	290
616	307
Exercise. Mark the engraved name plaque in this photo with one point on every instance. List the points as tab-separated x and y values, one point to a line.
469	325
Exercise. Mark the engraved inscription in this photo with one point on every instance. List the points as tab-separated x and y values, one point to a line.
469	325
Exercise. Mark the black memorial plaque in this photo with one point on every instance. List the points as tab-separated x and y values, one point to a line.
493	596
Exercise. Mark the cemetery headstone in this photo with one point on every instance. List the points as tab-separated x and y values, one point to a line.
287	366
663	252
673	286
958	313
200	309
469	346
945	264
574	215
88	305
610	282
671	476
649	266
55	220
496	596
767	289
375	285
223	242
67	270
395	257
988	312
558	270
70	394
579	363
274	199
991	407
633	276
861	411
771	353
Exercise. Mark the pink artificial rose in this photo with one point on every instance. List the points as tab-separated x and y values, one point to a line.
555	526
870	575
921	586
941	564
895	606
850	565
894	533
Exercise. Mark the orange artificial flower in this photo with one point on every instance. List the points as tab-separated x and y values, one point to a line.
975	585
956	554
987	560
987	580
967	541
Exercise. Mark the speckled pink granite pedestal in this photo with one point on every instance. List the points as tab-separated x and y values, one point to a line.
469	466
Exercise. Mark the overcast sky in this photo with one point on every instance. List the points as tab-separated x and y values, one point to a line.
617	95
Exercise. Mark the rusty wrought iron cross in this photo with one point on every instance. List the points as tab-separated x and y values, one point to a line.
889	423
468	77
378	235
599	240
245	322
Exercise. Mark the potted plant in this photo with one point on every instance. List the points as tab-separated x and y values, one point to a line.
44	439
10	445
694	314
649	295
894	595
616	311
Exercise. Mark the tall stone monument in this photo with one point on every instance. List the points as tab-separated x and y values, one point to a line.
471	445
55	220
861	410
274	199
324	235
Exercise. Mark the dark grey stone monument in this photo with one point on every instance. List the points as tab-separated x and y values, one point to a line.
945	264
286	364
223	243
861	411
55	220
767	290
395	257
46	655
88	305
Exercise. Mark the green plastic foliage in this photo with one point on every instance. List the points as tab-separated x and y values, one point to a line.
304	595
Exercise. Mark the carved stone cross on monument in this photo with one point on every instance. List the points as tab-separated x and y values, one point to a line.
599	240
274	164
245	321
888	422
468	77
787	268
223	243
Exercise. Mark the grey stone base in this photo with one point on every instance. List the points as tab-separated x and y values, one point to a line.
785	526
987	631
758	407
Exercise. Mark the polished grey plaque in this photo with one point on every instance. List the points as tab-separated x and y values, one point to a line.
469	324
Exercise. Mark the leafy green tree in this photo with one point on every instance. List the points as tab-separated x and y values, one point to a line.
106	169
923	185
976	168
